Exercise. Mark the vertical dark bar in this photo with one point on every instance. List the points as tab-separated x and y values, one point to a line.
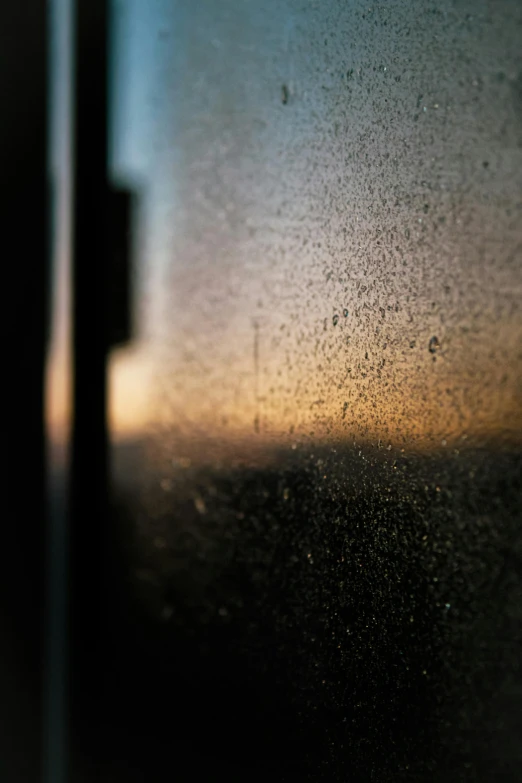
89	451
122	204
23	153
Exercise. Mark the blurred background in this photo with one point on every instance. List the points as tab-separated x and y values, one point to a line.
269	311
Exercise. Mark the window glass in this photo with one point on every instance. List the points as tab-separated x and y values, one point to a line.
316	425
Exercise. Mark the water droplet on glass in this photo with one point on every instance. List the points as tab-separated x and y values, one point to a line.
434	345
200	505
335	320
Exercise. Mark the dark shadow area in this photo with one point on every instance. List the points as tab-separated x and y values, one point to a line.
363	628
25	213
102	319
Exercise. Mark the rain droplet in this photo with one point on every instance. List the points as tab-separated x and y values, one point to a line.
335	319
434	345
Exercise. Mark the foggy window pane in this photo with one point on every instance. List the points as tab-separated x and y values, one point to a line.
316	425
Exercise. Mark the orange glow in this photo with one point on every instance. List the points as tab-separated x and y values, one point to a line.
413	401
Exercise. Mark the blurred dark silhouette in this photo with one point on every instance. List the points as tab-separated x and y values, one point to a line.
25	212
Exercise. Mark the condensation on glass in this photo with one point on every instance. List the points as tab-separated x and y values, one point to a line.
316	427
